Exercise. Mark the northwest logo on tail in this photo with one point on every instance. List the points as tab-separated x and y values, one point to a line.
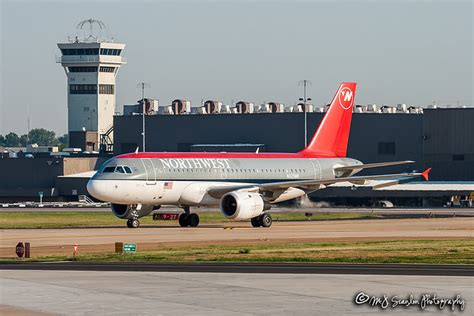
346	98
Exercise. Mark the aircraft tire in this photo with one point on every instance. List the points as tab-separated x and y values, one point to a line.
183	220
129	223
193	220
266	220
256	221
135	223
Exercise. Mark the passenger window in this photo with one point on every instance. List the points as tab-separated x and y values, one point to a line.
119	169
127	169
109	169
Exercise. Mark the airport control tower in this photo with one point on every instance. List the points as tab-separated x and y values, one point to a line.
91	64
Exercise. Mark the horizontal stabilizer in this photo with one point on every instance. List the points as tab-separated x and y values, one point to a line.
424	174
373	165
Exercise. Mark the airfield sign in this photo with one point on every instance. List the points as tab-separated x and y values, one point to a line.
129	247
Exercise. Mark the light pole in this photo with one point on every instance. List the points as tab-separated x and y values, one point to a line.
142	85
305	83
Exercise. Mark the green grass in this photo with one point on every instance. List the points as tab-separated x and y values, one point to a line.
399	251
73	219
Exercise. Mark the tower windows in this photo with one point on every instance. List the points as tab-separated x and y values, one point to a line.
82	69
91	69
91	89
110	51
80	51
83	89
107	69
91	51
106	89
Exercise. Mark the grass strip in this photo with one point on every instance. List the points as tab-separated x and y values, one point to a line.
78	219
459	251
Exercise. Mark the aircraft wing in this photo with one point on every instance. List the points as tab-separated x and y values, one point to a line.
309	184
373	165
218	192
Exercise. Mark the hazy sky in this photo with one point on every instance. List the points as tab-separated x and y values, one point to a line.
412	52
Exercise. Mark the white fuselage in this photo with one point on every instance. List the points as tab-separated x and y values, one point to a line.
185	180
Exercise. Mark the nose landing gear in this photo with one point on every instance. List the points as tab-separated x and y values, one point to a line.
133	223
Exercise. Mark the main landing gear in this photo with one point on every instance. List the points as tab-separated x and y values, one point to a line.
263	220
188	219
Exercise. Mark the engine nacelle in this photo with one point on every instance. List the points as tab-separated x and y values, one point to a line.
125	211
242	205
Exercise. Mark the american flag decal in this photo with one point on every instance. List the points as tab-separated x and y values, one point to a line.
168	185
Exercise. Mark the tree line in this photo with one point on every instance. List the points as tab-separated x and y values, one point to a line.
39	136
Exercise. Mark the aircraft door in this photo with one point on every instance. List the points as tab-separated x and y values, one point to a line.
316	168
150	171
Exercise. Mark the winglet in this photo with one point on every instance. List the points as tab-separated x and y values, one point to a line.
426	173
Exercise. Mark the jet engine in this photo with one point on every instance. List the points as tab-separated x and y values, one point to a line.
125	211
243	205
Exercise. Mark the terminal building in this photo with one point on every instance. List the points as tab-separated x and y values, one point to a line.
437	138
442	139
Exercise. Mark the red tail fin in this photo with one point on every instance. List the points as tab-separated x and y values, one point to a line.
330	140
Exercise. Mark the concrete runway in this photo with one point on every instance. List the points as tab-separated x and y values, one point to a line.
246	267
181	293
224	292
60	241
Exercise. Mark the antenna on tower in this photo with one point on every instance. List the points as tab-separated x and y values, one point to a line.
95	30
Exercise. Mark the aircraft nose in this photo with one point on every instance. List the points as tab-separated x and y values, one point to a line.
96	189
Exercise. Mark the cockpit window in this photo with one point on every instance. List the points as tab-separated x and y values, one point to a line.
109	169
119	169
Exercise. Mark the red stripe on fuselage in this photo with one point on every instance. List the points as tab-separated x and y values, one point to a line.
212	155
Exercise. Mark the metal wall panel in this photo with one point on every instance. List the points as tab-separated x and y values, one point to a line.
449	132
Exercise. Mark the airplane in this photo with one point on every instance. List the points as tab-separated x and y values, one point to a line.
243	185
